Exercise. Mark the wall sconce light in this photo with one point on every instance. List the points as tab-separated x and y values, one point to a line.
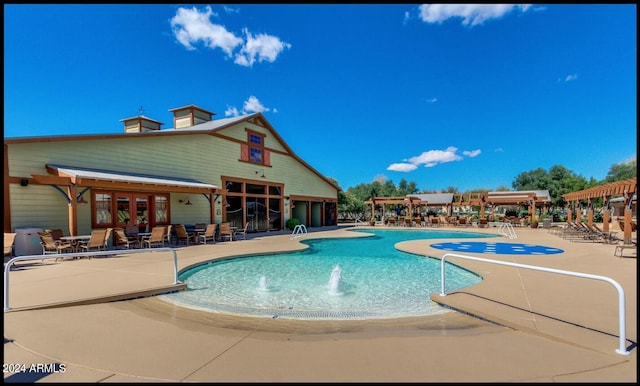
185	201
25	182
261	172
81	200
226	204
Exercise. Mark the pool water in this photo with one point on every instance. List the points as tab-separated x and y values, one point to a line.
376	280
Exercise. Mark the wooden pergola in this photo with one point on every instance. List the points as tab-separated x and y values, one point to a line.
624	188
529	198
408	201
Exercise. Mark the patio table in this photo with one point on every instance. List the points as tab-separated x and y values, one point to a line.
76	241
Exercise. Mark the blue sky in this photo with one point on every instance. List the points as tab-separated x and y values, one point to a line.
458	95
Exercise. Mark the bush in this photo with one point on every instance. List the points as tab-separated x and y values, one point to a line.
292	222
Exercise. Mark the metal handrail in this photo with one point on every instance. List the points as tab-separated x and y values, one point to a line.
300	229
510	232
621	306
8	265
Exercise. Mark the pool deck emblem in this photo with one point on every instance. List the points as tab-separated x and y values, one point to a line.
497	248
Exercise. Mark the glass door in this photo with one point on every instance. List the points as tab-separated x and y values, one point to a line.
133	210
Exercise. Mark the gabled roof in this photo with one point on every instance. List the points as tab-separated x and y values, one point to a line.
434	199
202	128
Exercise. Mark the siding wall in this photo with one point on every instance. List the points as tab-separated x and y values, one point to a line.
202	157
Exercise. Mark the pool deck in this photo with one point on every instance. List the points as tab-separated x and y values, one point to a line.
517	325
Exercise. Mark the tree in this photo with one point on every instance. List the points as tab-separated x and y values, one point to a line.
622	171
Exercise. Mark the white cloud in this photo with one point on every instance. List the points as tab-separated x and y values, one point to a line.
499	150
191	26
251	105
432	158
471	14
261	47
472	153
402	167
231	112
570	78
432	100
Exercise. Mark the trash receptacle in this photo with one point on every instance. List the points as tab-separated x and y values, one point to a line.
27	241
546	223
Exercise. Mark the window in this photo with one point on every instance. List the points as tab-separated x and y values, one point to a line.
103	208
256	148
162	206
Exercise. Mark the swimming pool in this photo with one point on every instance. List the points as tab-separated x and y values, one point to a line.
334	279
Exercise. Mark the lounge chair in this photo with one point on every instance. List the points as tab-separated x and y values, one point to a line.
120	239
9	240
241	231
157	237
209	233
610	237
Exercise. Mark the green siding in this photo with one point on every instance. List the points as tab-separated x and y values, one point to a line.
202	157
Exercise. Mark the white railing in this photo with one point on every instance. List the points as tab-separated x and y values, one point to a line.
299	230
506	229
359	222
8	265
621	306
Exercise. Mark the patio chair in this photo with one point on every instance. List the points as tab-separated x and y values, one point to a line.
241	231
120	239
107	238
167	236
96	242
182	235
225	231
157	237
131	230
9	240
209	233
51	246
55	233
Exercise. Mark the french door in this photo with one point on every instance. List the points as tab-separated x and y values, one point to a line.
133	209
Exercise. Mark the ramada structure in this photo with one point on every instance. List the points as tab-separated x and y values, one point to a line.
533	199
